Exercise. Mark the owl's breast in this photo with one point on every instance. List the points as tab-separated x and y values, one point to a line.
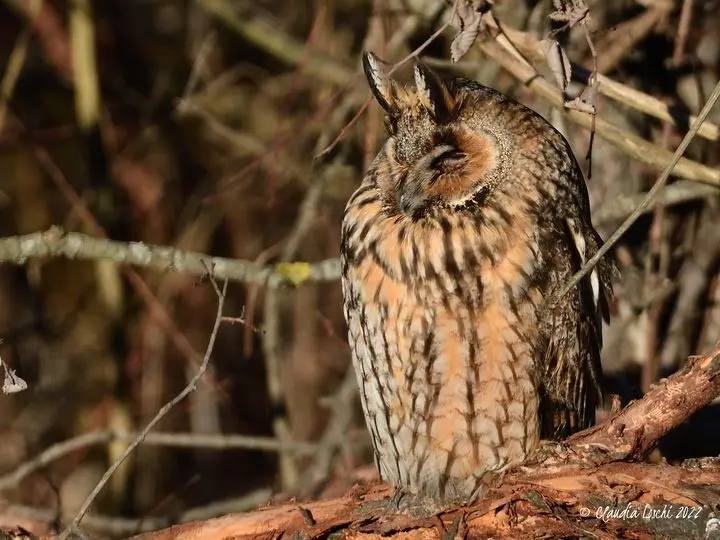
441	324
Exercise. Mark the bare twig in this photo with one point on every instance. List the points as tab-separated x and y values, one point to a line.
345	129
623	39
629	143
16	61
711	321
173	440
124	527
677	193
335	435
50	32
159	416
682	32
284	47
648	198
610	88
85	79
693	280
57	243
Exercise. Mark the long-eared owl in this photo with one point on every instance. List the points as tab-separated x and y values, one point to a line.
471	217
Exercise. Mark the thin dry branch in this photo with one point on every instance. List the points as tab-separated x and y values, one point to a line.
678	193
268	37
55	242
612	89
652	194
631	144
164	410
175	440
335	435
50	32
625	37
16	61
85	79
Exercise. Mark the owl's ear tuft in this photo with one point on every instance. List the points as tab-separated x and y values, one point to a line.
382	87
435	94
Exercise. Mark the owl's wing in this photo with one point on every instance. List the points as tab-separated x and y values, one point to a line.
571	379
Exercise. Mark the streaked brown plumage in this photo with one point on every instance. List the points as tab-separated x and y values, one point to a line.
471	216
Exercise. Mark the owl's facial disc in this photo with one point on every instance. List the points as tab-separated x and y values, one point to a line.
415	189
454	169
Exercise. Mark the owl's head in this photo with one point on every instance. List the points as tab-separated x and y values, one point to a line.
437	154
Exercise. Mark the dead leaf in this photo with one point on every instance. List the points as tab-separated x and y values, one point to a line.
570	11
558	61
579	105
587	100
12	384
468	18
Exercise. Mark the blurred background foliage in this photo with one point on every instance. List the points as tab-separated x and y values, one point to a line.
201	135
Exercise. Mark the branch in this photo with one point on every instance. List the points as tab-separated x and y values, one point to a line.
165	409
176	440
654	191
632	432
55	242
634	146
678	193
617	91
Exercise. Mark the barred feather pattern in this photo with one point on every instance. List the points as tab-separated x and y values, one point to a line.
464	225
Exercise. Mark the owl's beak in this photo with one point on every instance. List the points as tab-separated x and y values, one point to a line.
410	203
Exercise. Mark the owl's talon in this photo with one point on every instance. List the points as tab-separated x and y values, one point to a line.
396	499
415	505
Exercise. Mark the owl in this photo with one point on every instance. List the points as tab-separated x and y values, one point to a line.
471	217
